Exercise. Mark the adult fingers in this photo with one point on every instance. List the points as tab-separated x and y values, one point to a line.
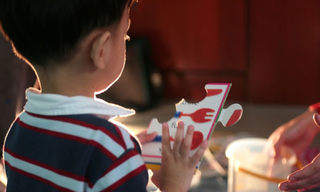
283	186
178	138
276	151
302	185
185	148
309	188
305	173
316	119
301	179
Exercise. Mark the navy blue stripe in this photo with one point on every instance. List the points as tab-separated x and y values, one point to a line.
68	155
73	156
15	185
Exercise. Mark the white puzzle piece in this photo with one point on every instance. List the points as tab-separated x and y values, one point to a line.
204	115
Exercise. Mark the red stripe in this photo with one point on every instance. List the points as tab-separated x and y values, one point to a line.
134	141
45	166
234	117
119	162
126	178
212	92
80	123
120	135
37	178
69	137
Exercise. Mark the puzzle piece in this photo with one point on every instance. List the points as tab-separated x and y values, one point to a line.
204	115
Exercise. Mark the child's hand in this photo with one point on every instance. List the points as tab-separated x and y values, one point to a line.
304	179
177	168
143	137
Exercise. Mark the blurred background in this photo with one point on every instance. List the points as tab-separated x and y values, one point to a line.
268	50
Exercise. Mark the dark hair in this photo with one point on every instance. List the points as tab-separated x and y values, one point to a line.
41	31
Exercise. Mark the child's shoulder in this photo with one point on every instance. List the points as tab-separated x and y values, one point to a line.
103	126
95	122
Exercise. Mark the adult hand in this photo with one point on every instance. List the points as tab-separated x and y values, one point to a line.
304	179
307	177
297	134
144	137
177	168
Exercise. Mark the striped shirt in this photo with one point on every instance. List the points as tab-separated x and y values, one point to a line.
57	145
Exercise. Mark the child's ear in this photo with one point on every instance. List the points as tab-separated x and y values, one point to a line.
100	50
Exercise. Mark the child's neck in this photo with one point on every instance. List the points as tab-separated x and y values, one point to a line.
67	82
66	91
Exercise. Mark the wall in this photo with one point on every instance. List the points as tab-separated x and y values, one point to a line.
284	51
268	50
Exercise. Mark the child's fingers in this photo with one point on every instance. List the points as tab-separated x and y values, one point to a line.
165	144
196	157
144	137
185	148
178	138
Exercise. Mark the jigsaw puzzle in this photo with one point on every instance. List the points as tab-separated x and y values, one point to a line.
204	115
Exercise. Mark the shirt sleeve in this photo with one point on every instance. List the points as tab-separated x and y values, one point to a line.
124	171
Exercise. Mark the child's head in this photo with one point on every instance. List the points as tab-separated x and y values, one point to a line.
43	31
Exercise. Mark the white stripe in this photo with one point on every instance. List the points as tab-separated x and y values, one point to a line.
119	172
74	130
126	137
46	174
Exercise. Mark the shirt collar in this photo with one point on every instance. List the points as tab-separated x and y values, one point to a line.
53	104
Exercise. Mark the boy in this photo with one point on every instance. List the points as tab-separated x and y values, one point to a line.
65	139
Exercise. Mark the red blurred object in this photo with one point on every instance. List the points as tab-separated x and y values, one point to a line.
200	115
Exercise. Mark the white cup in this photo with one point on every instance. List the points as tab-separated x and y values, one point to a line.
250	169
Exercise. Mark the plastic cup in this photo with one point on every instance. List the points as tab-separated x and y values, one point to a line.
250	170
